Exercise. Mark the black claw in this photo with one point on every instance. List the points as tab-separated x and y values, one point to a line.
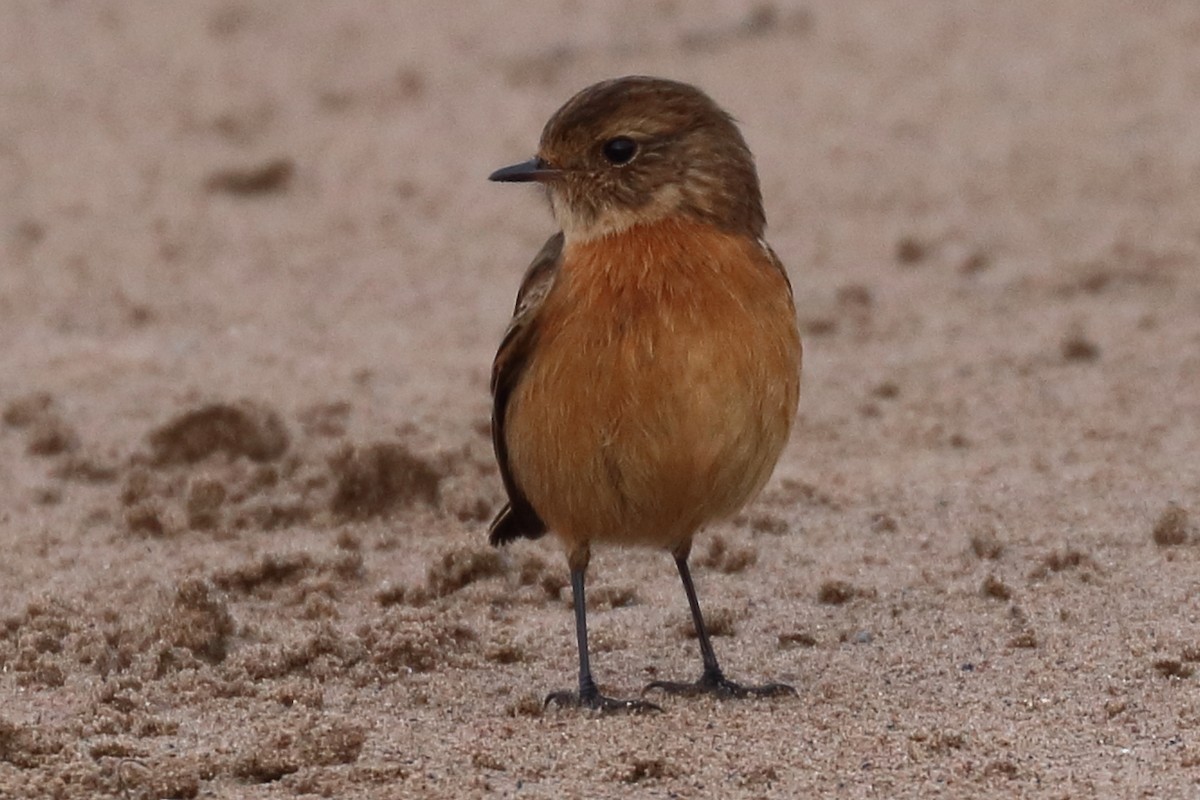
720	687
598	702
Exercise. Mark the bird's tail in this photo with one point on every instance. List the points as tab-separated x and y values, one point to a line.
510	525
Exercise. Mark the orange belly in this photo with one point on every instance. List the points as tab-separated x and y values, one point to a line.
661	388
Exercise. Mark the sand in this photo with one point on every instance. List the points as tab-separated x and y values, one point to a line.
251	280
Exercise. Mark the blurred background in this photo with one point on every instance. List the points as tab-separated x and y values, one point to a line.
255	172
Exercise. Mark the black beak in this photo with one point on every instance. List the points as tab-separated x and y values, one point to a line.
535	169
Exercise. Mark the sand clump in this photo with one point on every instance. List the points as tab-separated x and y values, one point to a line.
269	177
227	467
221	496
47	431
836	593
1067	560
243	428
417	640
1172	527
305	742
718	620
292	578
199	620
378	478
25	747
461	567
726	558
995	588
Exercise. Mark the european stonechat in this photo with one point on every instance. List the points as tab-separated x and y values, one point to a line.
650	375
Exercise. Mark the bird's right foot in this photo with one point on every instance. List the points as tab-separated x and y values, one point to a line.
597	702
713	682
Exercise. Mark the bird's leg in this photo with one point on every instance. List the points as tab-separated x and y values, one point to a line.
588	695
712	680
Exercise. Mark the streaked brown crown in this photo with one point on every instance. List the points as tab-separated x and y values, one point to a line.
687	157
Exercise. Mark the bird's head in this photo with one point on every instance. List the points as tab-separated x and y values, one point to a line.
635	150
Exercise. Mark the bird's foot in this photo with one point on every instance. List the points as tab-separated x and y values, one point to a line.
715	684
598	702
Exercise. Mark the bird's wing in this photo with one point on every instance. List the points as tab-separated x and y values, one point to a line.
518	518
777	264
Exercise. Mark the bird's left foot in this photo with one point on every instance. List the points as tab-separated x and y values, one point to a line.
717	685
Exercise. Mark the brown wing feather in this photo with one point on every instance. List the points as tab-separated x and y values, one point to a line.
777	264
518	518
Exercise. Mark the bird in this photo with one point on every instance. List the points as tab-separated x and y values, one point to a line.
650	376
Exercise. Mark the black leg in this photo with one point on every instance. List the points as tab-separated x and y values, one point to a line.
589	696
712	681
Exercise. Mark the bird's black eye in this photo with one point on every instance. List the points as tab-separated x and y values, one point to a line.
620	150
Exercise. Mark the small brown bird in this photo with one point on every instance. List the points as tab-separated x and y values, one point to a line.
649	378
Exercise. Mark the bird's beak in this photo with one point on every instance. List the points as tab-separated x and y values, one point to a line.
535	169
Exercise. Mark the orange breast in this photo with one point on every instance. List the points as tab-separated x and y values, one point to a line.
661	388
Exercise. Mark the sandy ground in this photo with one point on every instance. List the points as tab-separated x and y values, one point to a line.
252	279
